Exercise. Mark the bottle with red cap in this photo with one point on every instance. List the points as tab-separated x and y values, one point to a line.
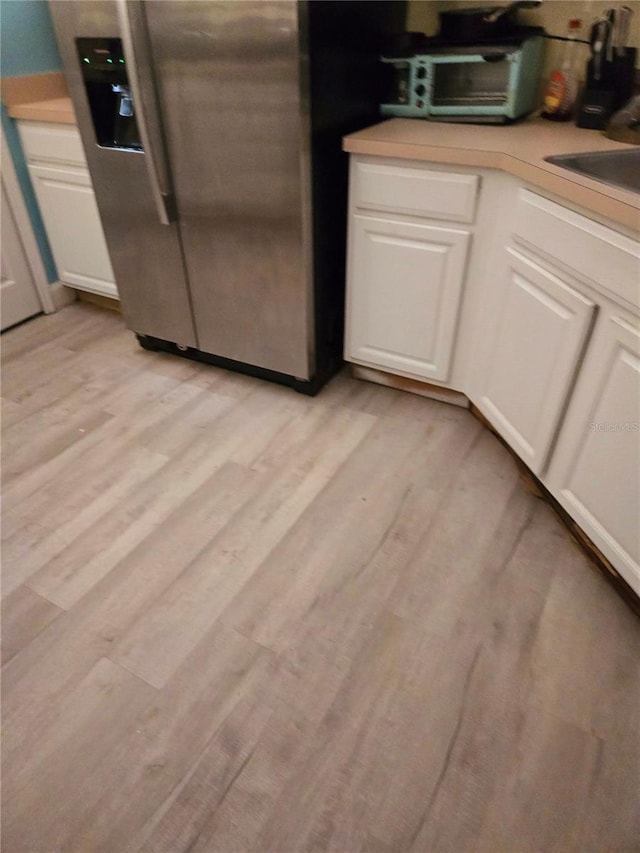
562	89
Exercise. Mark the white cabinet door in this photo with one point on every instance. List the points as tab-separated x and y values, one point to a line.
403	295
72	221
18	295
595	470
531	355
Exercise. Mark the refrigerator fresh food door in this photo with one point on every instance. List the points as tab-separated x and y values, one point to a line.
146	254
232	83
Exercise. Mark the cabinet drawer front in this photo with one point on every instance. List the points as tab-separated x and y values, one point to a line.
416	191
600	254
52	143
538	341
405	283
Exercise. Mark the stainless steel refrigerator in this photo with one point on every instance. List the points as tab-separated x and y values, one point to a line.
212	129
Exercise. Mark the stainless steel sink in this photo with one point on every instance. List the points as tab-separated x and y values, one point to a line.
619	168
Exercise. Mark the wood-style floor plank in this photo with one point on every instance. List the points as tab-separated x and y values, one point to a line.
49	554
239	619
24	615
76	744
175	623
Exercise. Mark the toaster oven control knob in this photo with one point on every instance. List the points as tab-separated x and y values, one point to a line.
420	90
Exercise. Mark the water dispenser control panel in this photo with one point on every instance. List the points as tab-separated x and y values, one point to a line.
104	71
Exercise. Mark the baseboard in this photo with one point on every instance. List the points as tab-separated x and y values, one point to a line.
61	295
99	300
414	386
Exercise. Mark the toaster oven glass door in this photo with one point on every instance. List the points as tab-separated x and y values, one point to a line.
470	84
396	82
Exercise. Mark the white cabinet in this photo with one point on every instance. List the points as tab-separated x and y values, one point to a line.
596	253
65	196
532	350
405	275
595	471
73	225
548	344
565	392
404	292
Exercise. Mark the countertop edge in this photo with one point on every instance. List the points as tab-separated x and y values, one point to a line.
58	111
38	97
612	203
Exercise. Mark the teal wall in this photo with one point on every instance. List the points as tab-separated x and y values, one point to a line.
27	46
28	43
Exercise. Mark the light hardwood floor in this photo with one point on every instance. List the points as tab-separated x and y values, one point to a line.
239	619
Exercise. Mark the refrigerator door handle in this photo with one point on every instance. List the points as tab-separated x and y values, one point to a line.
135	45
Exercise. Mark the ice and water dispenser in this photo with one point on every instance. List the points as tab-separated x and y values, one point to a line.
104	72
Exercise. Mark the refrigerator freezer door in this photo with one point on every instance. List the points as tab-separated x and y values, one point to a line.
231	81
146	255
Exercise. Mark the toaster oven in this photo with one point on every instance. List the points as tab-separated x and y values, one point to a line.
475	83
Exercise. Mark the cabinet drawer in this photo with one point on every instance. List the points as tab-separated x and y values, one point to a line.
600	254
51	143
415	190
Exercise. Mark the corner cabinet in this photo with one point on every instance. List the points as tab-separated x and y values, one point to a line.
405	274
62	185
541	333
559	373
